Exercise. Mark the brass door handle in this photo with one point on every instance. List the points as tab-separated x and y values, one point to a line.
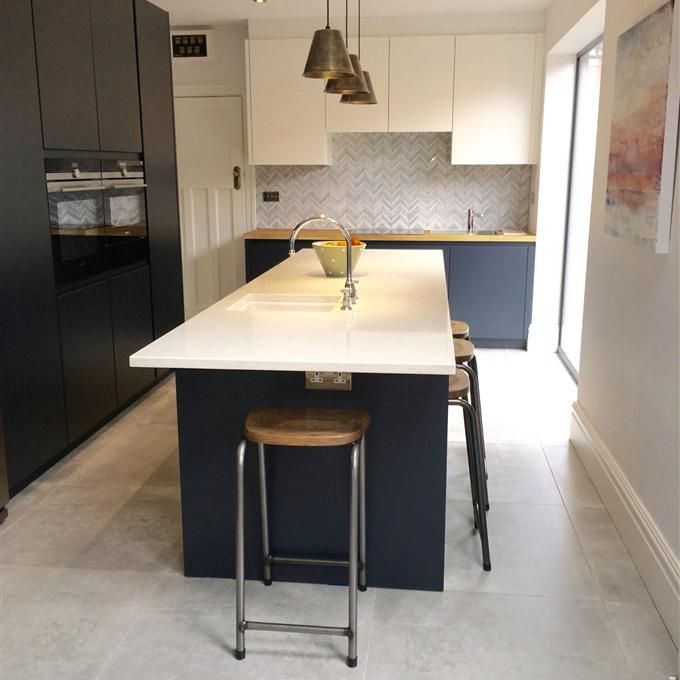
236	172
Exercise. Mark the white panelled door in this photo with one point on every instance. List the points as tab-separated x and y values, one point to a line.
209	134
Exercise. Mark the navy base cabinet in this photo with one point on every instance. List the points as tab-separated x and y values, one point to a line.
490	284
489	289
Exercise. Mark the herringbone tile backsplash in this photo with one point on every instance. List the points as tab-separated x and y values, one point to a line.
389	182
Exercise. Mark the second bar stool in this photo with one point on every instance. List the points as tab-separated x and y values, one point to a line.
459	387
460	329
465	356
306	428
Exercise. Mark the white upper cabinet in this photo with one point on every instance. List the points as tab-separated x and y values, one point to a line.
496	99
375	58
286	112
421	83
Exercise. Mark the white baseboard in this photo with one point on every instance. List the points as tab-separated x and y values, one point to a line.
653	556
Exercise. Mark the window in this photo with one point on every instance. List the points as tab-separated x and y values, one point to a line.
584	140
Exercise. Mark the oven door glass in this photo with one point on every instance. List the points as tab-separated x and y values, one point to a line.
125	220
77	224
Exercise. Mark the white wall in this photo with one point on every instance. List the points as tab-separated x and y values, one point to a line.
225	70
626	419
629	388
561	16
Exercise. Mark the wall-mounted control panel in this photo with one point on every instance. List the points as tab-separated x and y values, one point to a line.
270	196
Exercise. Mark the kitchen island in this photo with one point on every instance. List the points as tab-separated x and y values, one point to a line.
253	349
490	276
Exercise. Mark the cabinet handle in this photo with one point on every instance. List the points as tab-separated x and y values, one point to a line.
237	177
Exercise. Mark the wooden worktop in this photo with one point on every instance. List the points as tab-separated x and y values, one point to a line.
428	236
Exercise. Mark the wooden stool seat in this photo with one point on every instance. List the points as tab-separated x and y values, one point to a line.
459	385
306	427
464	350
459	329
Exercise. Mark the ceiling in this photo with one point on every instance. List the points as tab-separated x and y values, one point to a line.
190	12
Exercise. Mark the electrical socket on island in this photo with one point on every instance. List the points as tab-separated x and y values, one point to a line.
328	380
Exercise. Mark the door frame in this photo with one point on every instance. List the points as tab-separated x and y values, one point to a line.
571	369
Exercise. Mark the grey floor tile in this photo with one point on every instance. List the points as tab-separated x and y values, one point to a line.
571	477
90	568
471	636
20	587
72	627
177	592
140	556
617	576
183	642
128	453
645	642
143	535
534	551
52	537
27	500
518	473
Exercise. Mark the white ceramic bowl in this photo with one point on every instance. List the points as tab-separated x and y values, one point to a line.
333	257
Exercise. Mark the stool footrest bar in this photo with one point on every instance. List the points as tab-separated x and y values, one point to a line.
308	561
295	628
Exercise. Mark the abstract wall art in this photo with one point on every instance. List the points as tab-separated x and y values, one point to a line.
642	153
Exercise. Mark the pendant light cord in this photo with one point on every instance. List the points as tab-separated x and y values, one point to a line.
328	14
359	28
347	24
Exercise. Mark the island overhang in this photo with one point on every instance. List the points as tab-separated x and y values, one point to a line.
400	324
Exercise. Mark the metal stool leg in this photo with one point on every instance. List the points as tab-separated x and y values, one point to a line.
478	408
481	485
266	554
476	401
363	583
472	466
353	557
240	652
479	474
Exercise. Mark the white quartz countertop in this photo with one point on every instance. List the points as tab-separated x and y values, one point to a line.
400	324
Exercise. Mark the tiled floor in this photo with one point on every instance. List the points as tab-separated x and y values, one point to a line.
92	589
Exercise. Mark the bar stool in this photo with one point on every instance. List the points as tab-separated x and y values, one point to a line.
460	330
306	428
459	387
465	354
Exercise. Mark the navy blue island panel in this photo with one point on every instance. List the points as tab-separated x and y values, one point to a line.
308	487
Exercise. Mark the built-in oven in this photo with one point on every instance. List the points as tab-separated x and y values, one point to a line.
97	214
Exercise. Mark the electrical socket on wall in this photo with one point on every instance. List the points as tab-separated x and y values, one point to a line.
270	196
328	380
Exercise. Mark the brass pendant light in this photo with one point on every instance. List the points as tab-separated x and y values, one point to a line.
355	84
361	97
328	57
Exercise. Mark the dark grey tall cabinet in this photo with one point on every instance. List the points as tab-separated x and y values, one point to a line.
88	79
158	131
31	385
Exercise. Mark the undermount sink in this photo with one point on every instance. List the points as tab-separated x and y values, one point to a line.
488	232
282	302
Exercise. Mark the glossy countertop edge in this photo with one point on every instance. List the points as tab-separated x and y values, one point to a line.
427	237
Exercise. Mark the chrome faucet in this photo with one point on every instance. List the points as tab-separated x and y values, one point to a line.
349	292
472	216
